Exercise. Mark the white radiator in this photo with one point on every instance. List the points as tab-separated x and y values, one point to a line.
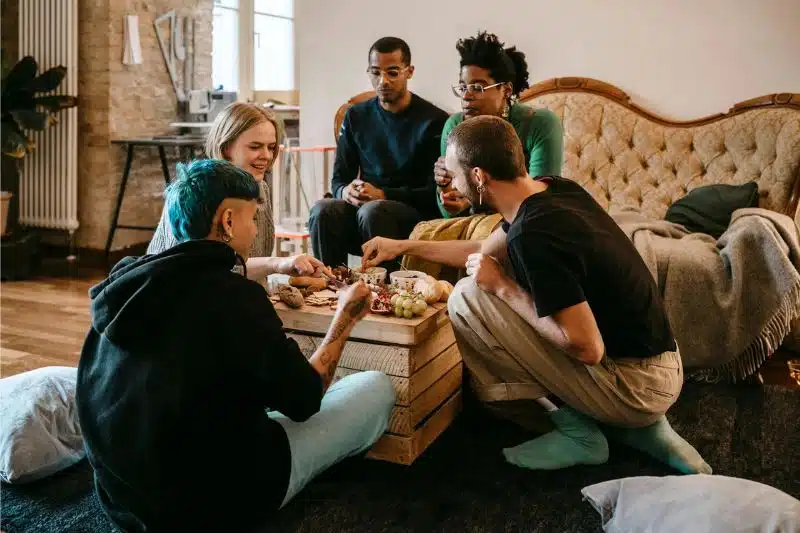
48	196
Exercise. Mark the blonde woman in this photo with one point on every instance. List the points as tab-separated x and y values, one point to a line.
248	136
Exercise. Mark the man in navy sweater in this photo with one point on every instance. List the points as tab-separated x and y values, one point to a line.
383	173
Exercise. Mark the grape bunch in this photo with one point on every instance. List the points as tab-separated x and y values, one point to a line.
408	305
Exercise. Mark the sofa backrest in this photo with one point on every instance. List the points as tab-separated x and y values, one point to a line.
626	156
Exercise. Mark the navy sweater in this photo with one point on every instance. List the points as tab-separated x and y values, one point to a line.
393	151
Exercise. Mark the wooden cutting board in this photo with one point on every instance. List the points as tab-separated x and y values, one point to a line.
373	327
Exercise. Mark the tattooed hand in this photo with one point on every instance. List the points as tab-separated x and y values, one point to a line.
354	301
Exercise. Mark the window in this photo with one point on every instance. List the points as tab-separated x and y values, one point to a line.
253	46
273	49
224	70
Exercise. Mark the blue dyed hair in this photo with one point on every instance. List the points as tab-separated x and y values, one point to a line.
193	198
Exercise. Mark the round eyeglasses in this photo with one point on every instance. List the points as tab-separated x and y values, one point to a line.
476	89
391	73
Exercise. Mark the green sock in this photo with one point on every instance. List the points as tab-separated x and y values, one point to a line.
576	440
663	443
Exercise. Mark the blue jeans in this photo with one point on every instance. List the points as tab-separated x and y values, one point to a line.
354	414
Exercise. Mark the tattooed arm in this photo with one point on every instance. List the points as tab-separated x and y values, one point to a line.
353	305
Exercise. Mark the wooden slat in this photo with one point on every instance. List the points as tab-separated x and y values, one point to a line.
375	328
408	389
405	450
400	361
404	420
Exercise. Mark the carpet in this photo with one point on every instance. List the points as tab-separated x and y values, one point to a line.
461	483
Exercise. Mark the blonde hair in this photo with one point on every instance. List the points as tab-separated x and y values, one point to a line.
234	120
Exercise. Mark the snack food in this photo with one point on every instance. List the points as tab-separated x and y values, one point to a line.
307	282
405	279
291	296
381	302
371	276
408	304
429	288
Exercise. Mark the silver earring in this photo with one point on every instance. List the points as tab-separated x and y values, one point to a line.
481	188
505	110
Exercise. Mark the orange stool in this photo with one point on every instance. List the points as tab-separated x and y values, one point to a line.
287	236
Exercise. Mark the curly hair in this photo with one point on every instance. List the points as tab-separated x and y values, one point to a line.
504	64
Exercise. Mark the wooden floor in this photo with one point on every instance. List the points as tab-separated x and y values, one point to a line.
43	322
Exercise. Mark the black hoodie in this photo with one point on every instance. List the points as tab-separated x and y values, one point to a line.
181	360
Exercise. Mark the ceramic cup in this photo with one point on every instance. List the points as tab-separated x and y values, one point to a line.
372	276
406	279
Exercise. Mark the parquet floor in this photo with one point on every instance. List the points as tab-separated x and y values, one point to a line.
44	321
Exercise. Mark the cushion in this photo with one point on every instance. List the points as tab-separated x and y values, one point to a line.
678	504
39	430
708	209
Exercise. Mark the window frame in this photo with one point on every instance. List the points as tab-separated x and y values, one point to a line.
246	54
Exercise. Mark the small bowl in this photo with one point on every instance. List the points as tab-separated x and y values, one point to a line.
406	279
372	276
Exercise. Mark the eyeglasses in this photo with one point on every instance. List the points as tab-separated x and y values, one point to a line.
477	89
392	72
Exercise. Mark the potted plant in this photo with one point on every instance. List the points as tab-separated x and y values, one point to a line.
26	106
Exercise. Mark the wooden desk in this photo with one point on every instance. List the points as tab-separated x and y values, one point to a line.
189	143
419	355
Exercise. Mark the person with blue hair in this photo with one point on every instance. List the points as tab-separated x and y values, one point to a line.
186	377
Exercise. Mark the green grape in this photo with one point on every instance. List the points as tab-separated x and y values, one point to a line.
395	297
408	303
398	312
419	307
408	313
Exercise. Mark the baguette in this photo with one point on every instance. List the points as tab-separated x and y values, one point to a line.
307	282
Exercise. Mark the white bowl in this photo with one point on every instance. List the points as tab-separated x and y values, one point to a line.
373	275
406	279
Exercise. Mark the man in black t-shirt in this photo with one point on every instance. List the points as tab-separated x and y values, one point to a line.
577	325
382	181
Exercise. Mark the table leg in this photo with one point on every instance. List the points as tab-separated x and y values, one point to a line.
120	196
164	168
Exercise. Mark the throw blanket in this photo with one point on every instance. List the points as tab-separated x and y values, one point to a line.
475	227
732	301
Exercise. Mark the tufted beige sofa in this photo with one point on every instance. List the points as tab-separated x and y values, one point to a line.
628	157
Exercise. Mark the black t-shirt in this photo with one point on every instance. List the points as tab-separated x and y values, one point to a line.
565	249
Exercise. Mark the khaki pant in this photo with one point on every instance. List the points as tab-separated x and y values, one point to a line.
508	361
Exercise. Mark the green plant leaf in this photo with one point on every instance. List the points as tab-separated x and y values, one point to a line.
49	80
21	74
14	144
30	120
56	102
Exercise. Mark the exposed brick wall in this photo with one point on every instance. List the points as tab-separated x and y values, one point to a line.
124	101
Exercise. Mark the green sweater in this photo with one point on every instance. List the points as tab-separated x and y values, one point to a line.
542	141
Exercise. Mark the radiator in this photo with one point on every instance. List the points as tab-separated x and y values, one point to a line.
48	193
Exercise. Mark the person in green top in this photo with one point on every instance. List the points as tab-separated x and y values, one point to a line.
490	82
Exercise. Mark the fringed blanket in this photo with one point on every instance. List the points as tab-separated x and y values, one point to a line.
732	301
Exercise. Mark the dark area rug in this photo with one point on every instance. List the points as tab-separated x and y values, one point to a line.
461	483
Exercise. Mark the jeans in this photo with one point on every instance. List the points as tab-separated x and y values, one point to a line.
338	228
354	414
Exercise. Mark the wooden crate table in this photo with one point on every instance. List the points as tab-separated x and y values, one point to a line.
419	355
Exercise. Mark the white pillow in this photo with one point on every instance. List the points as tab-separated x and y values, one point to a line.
701	503
39	430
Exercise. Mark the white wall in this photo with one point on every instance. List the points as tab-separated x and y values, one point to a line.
680	58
